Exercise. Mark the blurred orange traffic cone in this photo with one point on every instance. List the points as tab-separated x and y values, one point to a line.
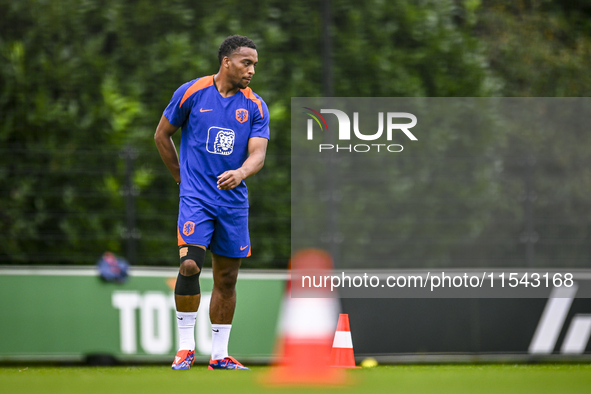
342	347
305	328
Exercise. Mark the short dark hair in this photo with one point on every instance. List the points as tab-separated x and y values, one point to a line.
232	43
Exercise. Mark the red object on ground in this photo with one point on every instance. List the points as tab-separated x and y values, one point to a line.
342	355
306	324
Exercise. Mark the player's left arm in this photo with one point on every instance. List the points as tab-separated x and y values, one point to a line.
257	150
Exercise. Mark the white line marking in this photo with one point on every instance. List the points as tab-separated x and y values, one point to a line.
552	320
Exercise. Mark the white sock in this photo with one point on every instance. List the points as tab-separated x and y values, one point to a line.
186	326
219	340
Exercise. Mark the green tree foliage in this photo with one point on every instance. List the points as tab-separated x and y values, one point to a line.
537	48
84	80
406	48
542	48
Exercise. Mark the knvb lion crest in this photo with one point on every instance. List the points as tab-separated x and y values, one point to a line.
220	141
224	142
188	228
241	115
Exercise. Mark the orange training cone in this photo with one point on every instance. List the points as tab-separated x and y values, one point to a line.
342	347
306	324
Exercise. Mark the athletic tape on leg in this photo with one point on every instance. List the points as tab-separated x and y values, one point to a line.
189	285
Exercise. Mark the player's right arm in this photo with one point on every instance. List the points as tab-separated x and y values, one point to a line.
176	113
165	145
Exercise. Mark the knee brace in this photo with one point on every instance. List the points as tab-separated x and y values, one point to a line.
189	285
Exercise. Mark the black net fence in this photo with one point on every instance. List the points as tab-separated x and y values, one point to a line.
63	206
492	182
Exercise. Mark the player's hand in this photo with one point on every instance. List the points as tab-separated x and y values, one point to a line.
230	179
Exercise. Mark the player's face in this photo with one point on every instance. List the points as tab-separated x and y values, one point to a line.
241	66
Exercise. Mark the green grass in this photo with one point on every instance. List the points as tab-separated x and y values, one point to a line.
457	379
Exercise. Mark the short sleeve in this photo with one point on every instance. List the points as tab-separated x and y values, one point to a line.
175	112
260	122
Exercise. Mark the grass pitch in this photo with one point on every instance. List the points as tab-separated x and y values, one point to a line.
457	379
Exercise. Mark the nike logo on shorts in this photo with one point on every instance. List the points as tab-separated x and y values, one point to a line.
243	247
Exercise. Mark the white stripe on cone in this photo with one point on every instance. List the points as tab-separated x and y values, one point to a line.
309	317
342	339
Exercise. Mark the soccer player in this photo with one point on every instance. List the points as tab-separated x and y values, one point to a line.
225	130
